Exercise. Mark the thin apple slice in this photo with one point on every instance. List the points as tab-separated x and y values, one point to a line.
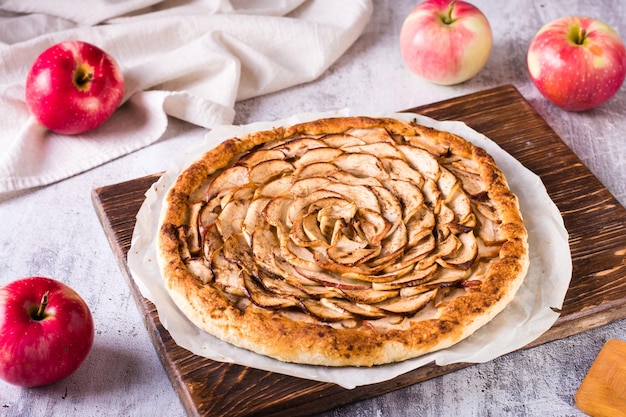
278	285
349	252
344	177
313	156
407	306
193	234
211	241
373	226
462	208
325	311
392	248
316	170
413	255
331	280
264	298
359	309
227	180
447	183
489	230
390	207
278	187
312	203
361	165
236	250
378	149
306	232
362	197
254	218
311	288
299	257
444	247
420	225
231	219
486	251
432	195
295	148
426	143
422	161
252	159
199	268
369	295
275	213
306	186
444	278
373	135
408	194
414	278
227	274
465	255
267	171
399	169
338	140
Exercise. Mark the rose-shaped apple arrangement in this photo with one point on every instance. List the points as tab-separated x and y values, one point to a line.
353	226
577	63
73	87
46	331
445	42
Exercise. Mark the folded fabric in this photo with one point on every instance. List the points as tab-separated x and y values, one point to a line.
191	60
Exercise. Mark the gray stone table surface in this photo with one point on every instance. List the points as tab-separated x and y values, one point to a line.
54	231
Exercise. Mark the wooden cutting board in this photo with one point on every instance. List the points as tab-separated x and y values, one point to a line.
597	295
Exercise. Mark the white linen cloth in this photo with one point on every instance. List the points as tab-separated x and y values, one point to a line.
189	59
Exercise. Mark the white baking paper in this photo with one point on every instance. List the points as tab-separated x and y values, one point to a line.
528	316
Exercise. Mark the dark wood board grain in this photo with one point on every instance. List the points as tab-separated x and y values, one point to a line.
597	295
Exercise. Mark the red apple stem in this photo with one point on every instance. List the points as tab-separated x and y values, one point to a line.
447	19
582	35
42	307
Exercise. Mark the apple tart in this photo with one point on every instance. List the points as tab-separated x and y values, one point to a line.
347	241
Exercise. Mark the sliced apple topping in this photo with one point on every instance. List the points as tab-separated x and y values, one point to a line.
360	227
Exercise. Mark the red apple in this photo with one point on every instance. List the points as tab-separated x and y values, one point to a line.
74	87
577	63
46	331
445	42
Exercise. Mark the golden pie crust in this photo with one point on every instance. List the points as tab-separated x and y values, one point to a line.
347	241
